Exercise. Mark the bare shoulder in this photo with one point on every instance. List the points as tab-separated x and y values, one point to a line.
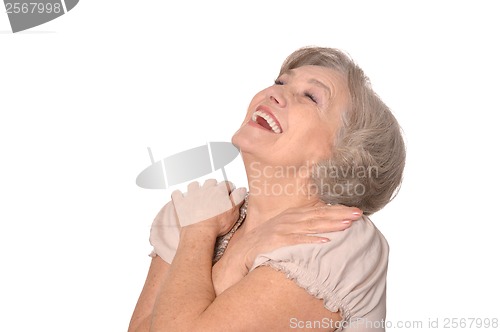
266	300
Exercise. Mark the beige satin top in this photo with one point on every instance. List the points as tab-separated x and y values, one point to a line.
348	273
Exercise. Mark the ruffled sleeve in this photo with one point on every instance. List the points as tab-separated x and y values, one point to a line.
165	233
348	273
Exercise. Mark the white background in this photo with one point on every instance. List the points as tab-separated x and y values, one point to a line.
83	96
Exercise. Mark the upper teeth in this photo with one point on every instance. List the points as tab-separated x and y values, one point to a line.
269	120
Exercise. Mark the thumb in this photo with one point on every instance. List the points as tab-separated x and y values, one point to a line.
237	196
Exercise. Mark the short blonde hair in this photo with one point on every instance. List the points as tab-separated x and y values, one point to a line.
368	159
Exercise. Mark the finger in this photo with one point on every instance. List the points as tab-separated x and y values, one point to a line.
229	186
237	196
193	186
176	195
334	212
315	226
345	212
210	183
310	223
303	239
348	209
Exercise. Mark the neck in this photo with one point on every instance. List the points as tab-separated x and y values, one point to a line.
273	189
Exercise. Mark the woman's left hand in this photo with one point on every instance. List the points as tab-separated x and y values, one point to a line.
213	204
299	225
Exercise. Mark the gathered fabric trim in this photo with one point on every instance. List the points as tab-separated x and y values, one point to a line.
308	282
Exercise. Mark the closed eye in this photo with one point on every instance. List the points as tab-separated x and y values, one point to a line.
306	94
310	96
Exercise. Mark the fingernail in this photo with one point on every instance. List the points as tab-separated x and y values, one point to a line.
356	214
346	222
325	240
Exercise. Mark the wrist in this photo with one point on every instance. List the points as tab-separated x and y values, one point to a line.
202	229
196	238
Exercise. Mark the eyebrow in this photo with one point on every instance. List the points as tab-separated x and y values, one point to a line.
312	81
321	85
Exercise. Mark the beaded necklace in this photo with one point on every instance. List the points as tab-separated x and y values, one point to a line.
222	241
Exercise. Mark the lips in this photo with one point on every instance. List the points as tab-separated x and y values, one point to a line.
267	120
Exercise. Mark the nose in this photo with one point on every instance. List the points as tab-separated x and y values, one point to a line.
276	96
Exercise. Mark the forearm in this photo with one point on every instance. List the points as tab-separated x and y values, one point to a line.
187	289
141	318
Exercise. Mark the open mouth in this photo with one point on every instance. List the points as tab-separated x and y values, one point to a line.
267	121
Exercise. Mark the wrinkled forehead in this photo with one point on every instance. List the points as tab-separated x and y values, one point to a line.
339	64
314	70
336	82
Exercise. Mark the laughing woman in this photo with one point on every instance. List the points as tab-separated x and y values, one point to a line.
298	251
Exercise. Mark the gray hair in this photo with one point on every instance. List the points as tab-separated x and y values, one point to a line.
368	157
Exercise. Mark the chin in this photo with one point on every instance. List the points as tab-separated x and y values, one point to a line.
240	140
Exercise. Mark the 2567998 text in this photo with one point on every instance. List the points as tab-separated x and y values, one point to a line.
32	8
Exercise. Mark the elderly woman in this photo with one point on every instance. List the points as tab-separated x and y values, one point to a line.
297	252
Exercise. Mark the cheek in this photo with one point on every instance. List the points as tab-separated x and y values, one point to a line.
321	141
322	137
315	125
256	100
